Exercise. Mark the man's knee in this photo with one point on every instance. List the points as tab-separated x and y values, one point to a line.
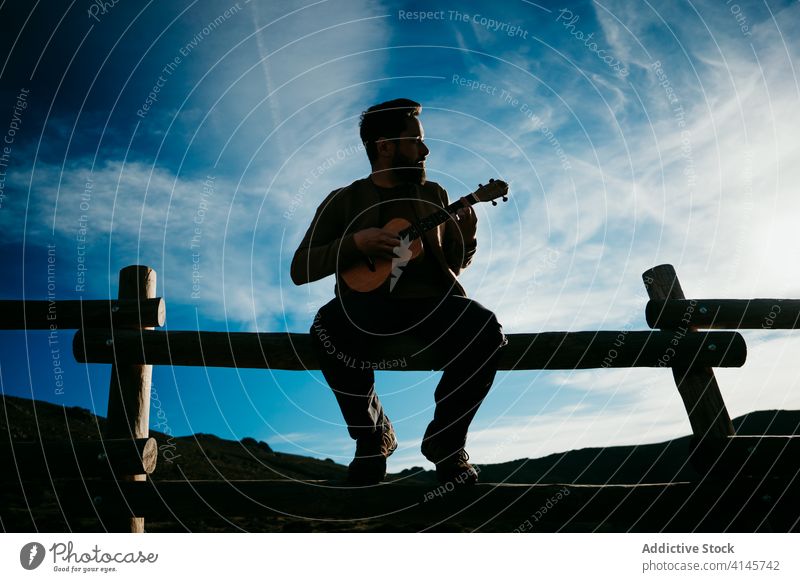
493	332
475	325
488	332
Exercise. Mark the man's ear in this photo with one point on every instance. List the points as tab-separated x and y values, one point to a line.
385	147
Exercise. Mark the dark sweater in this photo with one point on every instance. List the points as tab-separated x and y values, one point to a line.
328	246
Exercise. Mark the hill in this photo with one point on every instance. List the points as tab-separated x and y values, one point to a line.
205	456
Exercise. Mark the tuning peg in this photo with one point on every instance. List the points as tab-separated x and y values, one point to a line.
505	198
491	180
494	202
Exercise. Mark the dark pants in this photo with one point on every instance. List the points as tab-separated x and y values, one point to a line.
465	335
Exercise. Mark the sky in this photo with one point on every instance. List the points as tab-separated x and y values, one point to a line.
199	137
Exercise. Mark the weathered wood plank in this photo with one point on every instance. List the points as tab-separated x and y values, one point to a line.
708	506
71	314
724	313
542	351
64	459
129	389
696	382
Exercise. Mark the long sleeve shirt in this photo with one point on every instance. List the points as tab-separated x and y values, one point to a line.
328	246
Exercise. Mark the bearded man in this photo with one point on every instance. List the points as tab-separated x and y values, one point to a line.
422	298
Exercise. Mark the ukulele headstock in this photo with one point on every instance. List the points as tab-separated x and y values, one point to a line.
491	191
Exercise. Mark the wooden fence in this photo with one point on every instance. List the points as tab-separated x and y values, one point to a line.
107	479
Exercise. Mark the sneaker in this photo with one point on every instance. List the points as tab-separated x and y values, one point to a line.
369	465
450	467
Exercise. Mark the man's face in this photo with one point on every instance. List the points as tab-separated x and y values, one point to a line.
410	152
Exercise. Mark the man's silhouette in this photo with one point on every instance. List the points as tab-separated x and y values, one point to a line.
422	298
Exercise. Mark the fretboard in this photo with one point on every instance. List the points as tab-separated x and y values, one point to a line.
433	220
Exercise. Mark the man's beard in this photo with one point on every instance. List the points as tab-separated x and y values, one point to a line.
407	171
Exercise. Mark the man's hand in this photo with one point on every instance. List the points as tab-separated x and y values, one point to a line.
376	242
467	222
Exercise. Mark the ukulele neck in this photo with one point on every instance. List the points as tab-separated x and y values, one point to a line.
434	219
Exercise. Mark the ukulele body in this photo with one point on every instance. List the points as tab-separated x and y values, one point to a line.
360	277
368	275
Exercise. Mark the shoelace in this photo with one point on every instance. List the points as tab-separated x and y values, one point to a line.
388	440
461	456
365	447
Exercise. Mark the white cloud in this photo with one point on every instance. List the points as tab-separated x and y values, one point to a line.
153	213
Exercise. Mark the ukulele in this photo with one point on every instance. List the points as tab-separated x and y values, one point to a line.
372	272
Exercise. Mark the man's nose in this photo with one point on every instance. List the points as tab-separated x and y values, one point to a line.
425	150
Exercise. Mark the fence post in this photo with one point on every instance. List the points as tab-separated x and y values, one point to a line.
129	393
697	385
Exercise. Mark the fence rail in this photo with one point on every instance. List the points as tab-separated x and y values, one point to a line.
38	460
70	314
724	313
527	351
708	505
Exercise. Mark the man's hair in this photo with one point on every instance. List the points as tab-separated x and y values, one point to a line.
387	120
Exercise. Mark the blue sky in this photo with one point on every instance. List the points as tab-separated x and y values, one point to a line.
206	133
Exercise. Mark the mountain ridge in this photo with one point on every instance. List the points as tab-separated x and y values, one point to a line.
206	456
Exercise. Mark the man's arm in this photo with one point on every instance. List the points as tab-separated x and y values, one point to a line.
458	249
316	257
